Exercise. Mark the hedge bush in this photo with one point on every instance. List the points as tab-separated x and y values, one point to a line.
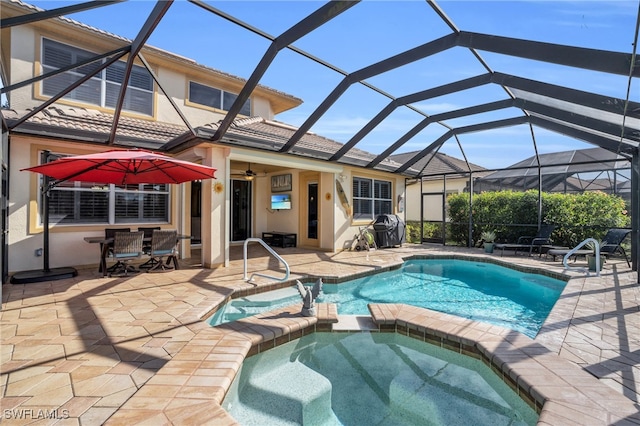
511	214
430	230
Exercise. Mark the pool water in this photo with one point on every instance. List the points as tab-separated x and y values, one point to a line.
370	379
475	290
243	307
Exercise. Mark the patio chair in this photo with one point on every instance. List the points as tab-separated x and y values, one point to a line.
525	242
612	242
127	246
146	246
163	244
110	233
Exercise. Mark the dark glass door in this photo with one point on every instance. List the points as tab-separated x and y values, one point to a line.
196	212
240	210
312	211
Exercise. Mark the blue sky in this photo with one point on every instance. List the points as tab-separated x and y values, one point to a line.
374	30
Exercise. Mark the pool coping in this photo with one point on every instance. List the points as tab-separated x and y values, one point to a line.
193	384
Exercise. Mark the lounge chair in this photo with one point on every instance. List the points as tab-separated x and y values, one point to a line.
529	243
610	244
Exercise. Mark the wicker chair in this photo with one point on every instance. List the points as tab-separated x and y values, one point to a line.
163	244
127	246
146	247
110	233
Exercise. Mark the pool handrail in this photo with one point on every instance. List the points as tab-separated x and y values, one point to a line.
566	257
270	250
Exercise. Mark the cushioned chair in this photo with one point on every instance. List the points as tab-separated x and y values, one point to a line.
110	233
146	246
163	245
127	246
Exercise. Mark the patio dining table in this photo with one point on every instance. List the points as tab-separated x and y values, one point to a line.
104	248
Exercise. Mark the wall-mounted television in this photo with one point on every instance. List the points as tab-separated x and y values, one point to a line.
280	201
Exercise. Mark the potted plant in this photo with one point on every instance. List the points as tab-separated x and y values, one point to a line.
591	258
488	239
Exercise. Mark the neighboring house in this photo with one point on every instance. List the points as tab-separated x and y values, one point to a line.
443	175
217	213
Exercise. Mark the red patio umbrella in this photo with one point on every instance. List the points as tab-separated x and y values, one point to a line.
120	167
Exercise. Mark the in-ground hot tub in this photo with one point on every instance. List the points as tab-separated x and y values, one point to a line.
373	379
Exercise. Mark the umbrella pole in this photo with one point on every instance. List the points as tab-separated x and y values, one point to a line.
46	273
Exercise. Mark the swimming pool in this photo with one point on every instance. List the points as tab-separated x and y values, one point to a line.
476	290
372	379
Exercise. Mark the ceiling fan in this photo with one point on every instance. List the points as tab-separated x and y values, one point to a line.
248	174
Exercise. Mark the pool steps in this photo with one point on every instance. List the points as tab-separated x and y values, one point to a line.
355	323
296	392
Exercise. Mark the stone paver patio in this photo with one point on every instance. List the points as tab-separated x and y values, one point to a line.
93	350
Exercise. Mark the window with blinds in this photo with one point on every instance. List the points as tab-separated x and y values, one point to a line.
371	198
78	203
215	98
103	88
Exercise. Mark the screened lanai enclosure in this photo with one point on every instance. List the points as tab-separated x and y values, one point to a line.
480	81
567	172
576	171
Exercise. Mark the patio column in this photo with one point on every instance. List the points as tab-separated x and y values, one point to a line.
215	228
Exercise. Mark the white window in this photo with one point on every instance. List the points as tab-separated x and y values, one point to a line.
103	88
215	98
81	203
371	198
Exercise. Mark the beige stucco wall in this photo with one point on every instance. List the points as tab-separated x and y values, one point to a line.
346	228
433	210
67	246
25	64
23	46
215	208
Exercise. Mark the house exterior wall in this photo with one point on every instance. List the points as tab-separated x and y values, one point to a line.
67	245
173	72
346	229
432	211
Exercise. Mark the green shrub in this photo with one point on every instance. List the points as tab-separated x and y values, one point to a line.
511	214
430	230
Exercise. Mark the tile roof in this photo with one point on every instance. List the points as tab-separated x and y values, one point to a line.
272	135
94	126
85	125
441	163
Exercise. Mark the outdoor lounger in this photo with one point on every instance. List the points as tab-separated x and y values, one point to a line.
610	244
528	243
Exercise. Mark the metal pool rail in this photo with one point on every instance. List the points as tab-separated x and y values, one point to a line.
270	250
